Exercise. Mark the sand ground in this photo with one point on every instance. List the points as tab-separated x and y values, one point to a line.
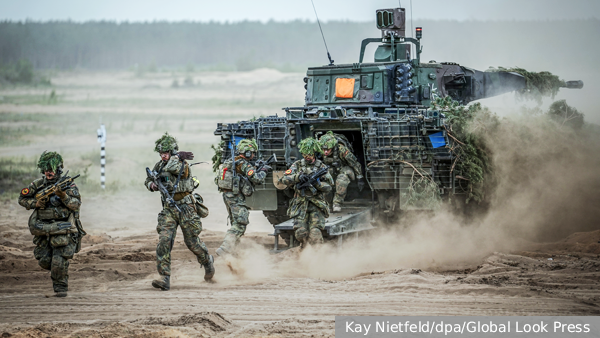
294	294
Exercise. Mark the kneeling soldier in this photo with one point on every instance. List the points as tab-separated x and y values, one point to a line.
55	220
343	166
173	177
311	181
236	185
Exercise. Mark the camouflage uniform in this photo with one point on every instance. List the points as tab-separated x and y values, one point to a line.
169	218
308	208
343	167
236	202
169	171
54	251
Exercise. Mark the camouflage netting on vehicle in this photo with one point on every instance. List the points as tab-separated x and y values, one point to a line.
49	161
465	126
564	114
539	85
422	193
217	157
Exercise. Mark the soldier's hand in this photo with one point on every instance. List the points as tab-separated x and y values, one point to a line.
39	204
60	193
361	183
303	178
153	186
265	168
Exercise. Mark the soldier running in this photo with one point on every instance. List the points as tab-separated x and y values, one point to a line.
343	166
308	207
55	220
236	186
179	209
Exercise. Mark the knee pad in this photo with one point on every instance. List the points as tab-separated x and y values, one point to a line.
301	234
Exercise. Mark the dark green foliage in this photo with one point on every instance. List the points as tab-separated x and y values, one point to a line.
49	161
166	143
472	156
216	159
539	85
310	146
564	114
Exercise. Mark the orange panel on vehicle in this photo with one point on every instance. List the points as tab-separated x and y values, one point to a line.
344	88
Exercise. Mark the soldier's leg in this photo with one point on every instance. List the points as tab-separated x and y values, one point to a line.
167	229
239	220
341	188
316	223
301	230
43	252
60	263
191	226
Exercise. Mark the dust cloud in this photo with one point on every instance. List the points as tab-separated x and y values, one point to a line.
546	187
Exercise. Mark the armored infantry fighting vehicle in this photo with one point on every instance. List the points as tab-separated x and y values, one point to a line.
383	109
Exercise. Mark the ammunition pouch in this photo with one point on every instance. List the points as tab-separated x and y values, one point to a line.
201	209
180	195
247	188
225	178
52	213
41	227
59	240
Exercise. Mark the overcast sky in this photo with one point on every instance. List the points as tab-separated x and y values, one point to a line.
286	10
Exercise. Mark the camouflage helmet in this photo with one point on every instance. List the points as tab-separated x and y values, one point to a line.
310	146
50	161
247	145
328	141
166	143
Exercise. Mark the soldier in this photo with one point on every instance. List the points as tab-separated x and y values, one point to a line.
308	207
55	220
343	166
175	176
235	188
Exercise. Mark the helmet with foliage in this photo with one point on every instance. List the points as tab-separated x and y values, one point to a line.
166	143
247	145
328	141
50	161
310	146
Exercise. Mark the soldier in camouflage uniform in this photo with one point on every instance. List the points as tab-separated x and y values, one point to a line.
343	166
54	248
173	170
308	208
235	193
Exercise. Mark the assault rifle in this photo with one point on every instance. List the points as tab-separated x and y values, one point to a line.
261	164
63	183
308	181
153	175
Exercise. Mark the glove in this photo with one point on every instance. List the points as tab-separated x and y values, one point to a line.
361	183
303	178
40	204
60	193
185	155
153	186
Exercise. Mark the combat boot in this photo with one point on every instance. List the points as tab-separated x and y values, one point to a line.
164	284
209	268
336	208
60	294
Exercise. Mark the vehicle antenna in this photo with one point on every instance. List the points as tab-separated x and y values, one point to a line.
328	55
411	24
